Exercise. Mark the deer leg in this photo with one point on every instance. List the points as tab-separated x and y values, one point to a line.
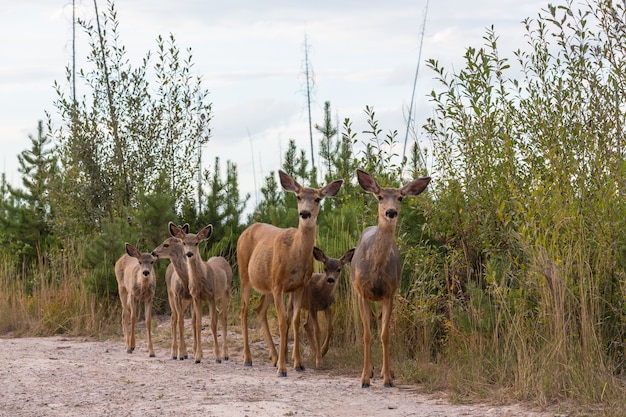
261	312
368	369
312	328
297	359
181	306
329	330
386	371
224	316
148	314
174	327
245	298
279	302
197	326
213	316
133	322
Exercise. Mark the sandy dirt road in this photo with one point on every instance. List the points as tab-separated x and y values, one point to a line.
60	376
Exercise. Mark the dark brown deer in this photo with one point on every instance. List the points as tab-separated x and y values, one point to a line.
279	261
319	296
208	281
375	268
136	282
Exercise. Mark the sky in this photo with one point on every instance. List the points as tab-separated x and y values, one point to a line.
250	55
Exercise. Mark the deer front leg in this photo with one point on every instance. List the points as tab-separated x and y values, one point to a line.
181	306
368	368
329	330
282	329
386	372
133	322
315	337
148	314
174	330
213	317
197	329
296	357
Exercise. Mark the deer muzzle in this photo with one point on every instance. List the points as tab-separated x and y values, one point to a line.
391	213
305	214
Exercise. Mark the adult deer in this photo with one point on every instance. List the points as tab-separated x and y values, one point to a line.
319	296
136	282
278	261
177	282
375	268
208	281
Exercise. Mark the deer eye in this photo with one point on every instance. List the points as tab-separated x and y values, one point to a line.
298	198
166	245
399	198
380	197
317	200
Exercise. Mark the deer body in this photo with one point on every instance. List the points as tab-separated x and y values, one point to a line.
177	282
136	282
208	281
376	267
277	261
319	296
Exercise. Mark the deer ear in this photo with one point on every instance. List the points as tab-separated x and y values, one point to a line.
415	187
319	254
185	227
347	257
206	232
332	189
132	251
288	183
366	182
176	231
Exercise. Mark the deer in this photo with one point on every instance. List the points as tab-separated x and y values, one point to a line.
208	281
319	296
177	282
136	282
375	268
277	261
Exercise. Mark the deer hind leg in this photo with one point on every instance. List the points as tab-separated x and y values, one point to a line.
148	314
386	372
174	328
312	328
366	319
181	306
261	312
224	316
245	299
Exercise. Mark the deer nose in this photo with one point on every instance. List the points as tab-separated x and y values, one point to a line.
330	280
189	254
305	214
391	213
146	273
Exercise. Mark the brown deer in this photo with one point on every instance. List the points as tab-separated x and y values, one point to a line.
136	281
208	281
278	261
177	282
319	296
375	268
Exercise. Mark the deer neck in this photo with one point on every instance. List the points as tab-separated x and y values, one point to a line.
305	237
180	265
195	267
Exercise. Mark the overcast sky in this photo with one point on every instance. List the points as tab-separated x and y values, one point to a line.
250	54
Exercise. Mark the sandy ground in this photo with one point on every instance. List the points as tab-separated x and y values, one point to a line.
60	376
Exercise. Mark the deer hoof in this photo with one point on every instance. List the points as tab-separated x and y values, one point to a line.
300	368
388	384
247	364
282	374
218	361
225	358
197	360
152	355
129	351
365	385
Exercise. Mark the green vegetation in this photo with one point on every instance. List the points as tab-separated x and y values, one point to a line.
514	261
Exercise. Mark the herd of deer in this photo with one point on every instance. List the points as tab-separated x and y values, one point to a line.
275	262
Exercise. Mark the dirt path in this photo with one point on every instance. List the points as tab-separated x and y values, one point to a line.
59	376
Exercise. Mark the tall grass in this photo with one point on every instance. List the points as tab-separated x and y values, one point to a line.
51	298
